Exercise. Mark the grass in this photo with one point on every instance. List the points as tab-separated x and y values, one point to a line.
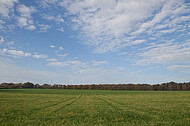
50	107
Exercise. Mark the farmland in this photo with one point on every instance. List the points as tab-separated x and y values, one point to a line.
93	107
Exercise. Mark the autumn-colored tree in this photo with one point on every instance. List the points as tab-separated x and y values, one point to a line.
170	86
28	85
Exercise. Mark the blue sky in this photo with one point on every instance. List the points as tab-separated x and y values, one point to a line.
94	41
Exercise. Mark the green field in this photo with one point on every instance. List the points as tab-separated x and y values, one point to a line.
21	107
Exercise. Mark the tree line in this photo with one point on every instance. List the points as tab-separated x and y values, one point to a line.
170	86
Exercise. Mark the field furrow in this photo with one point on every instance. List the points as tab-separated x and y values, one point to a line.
126	114
71	101
49	106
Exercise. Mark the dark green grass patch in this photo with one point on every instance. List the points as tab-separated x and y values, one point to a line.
51	107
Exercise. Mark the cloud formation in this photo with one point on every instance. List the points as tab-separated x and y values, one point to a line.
52	46
182	68
98	63
166	53
71	63
25	19
6	7
14	53
2	39
109	25
43	27
39	56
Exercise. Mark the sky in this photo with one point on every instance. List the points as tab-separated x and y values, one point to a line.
94	41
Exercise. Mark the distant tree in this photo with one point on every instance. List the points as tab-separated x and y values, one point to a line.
170	86
37	86
28	85
17	86
46	86
7	85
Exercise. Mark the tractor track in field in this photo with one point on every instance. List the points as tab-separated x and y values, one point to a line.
109	103
122	111
124	105
52	105
67	105
119	103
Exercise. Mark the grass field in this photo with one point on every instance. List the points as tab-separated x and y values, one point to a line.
23	107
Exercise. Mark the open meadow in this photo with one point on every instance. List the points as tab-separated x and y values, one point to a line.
21	107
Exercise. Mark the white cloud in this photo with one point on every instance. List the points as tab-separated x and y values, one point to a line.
26	11
75	64
39	56
14	53
31	27
98	63
10	43
137	42
166	53
107	24
53	60
61	29
52	46
48	17
6	7
60	64
43	27
123	53
168	31
61	48
62	55
183	68
2	39
58	19
22	21
48	3
25	19
168	10
26	23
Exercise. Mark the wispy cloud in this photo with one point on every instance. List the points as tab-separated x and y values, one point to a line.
61	48
58	19
25	19
182	68
62	55
107	27
52	46
39	56
53	60
166	53
26	11
98	63
10	43
137	42
2	39
14	53
43	27
6	7
72	63
61	29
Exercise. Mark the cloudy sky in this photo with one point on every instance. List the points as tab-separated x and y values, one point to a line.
94	41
